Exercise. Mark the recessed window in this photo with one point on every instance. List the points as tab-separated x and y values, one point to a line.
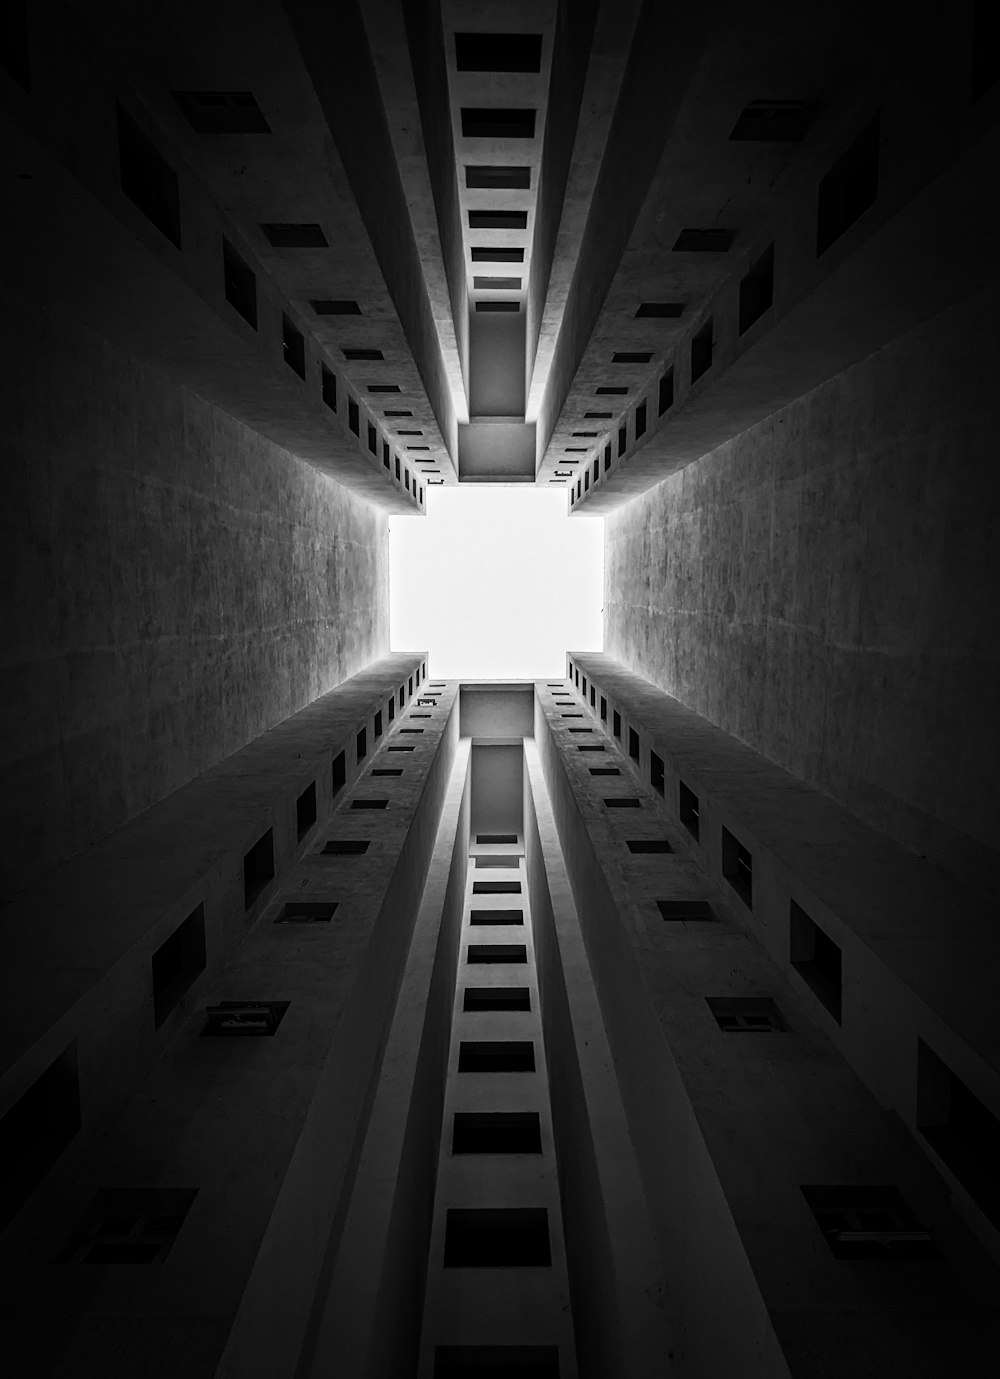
298	235
387	771
328	383
737	867
498	220
571	715
37	1129
378	724
372	439
258	868
702	345
176	964
325	307
746	1014
642	846
346	847
609	391
235	1019
605	771
497	254
399	474
665	399
305	811
632	357
702	240
849	188
816	958
497	952
633	744
496	1132
656	778
293	346
496	1237
868	1223
498	860
623	802
496	838
496	998
622	439
386	388
307	912
496	1056
490	178
769	121
960	1129
581	730
353	416
497	122
496	1361
496	916
498	306
689	809
685	911
359	354
222	112
339	771
361	745
640	420
485	283
616	723
397	413
369	804
147	179
131	1225
399	749
239	284
604	709
496	888
985	67
15	53
594	416
670	310
757	290
485	52
591	749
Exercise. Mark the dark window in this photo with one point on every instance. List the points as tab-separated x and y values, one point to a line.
369	804
339	770
496	917
746	1014
622	439
258	868
496	1362
329	385
581	730
498	220
372	439
757	290
685	911
591	749
131	1225
222	112
849	188
485	283
361	745
494	122
816	958
386	455
387	771
496	1056
633	744
353	416
378	724
701	351
386	388
239	284
668	309
36	1130
623	802
497	952
498	306
496	1237
774	121
496	860
656	773
497	177
688	808
607	391
496	888
632	357
325	307
357	353
960	1129
307	912
497	838
597	416
346	847
605	771
737	867
398	470
497	998
231	1019
873	1223
640	420
646	845
496	1132
147	179
496	254
305	810
607	457
294	347
288	235
604	709
666	395
15	54
616	723
178	961
985	47
399	749
483	52
700	240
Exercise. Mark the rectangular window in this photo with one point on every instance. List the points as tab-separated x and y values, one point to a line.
37	1129
239	284
293	346
496	1132
495	122
231	1019
647	845
372	439
339	772
757	290
378	724
147	179
258	868
132	1225
307	912
616	723
702	345
622	440
589	748
496	838
392	707
607	457
656	778
816	958
633	744
688	808
328	382
496	860
496	916
605	771
496	888
496	1238
868	1223
849	188
746	1014
623	802
604	709
960	1129
496	998
346	847
177	962
640	420
685	911
737	867
305	811
666	394
496	1056
353	416
399	749
387	771
361	745
497	952
369	804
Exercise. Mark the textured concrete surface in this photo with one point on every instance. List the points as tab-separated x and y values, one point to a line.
819	588
174	585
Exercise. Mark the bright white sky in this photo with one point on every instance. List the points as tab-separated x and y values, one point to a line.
496	583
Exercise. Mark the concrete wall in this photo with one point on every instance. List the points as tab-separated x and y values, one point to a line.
817	587
497	774
175	585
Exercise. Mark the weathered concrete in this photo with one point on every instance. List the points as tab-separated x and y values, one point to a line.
818	587
175	585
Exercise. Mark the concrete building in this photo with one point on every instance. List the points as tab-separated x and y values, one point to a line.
642	1022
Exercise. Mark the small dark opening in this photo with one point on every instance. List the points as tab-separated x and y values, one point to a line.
496	1237
497	177
339	771
701	351
985	47
498	220
240	284
239	1019
688	809
15	51
387	771
746	1014
329	384
498	306
660	309
604	709
606	390
622	439
497	123
258	868
648	845
496	998
358	354
361	745
387	388
685	911
496	1132
961	1130
666	394
346	847
305	810
737	867
868	1223
495	860
484	282
496	917
497	254
131	1225
757	290
623	802
480	52
816	958
353	416
702	240
147	179
774	121
633	744
372	439
849	188
605	771
286	235
176	963
398	469
497	952
496	888
656	778
37	1129
631	356
222	112
496	838
378	724
386	453
607	457
307	912
496	1056
640	420
616	723
325	307
294	347
369	804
